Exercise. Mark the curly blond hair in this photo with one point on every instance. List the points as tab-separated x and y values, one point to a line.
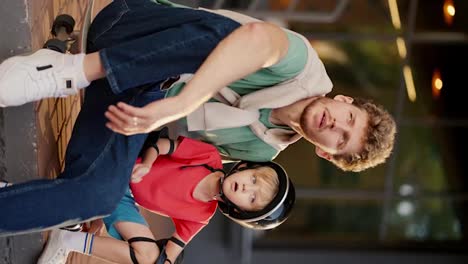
378	140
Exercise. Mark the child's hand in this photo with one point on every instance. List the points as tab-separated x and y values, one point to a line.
139	171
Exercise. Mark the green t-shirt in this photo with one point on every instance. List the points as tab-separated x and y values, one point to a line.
241	142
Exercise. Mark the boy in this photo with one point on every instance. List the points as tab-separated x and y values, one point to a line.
184	180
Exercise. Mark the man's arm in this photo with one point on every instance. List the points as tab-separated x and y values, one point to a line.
247	49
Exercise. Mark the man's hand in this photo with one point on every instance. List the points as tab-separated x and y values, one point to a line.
130	120
139	171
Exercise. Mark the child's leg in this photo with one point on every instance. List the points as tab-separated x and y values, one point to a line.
61	243
125	223
144	252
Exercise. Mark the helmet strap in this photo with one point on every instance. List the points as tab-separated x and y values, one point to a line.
211	169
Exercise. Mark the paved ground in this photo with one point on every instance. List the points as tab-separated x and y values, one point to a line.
17	158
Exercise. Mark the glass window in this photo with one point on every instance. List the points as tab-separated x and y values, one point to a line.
358	16
420	222
425	219
438	20
368	69
422	161
430	62
307	170
329	220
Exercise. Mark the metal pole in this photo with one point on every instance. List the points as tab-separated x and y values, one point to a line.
398	117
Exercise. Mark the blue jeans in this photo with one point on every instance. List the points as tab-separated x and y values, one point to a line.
141	44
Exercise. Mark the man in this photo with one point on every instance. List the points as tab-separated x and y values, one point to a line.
266	86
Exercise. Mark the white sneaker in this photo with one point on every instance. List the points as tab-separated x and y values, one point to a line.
43	74
55	251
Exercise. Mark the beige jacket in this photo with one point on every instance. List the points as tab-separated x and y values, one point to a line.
236	111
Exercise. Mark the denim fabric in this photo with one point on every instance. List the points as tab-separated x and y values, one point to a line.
151	42
141	43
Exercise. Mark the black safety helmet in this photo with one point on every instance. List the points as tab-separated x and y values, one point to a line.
274	213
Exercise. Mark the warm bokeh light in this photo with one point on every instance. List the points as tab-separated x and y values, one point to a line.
449	12
401	46
437	83
392	4
410	89
330	52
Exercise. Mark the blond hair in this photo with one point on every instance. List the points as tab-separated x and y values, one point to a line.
377	143
267	178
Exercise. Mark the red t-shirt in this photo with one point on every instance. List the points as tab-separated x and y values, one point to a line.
168	188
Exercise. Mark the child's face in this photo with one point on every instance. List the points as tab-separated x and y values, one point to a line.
243	189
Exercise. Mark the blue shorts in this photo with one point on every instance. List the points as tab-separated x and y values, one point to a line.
126	211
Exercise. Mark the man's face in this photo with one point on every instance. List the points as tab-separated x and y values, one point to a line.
334	126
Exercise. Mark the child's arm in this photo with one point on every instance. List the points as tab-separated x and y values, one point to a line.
163	146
